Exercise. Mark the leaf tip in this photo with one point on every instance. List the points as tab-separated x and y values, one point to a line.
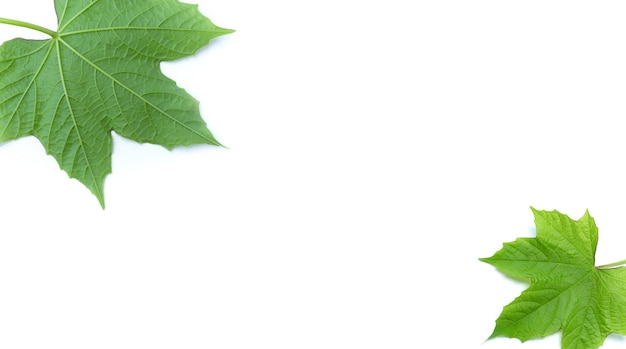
100	196
101	200
219	31
225	31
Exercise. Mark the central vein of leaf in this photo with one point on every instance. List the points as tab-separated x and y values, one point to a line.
75	122
134	93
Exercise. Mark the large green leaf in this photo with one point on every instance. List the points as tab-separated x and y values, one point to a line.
100	73
567	292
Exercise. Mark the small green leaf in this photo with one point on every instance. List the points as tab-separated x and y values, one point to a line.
567	291
100	73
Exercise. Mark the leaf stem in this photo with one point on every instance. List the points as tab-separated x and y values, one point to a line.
612	265
28	25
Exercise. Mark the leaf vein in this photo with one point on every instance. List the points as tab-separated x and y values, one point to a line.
30	85
75	122
137	95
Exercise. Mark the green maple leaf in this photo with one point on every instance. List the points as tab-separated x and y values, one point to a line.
567	291
100	73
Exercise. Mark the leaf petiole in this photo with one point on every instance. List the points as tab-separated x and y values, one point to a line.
612	265
28	25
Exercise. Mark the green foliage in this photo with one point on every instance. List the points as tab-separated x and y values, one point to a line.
100	72
567	292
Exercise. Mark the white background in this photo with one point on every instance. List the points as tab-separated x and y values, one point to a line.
376	150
